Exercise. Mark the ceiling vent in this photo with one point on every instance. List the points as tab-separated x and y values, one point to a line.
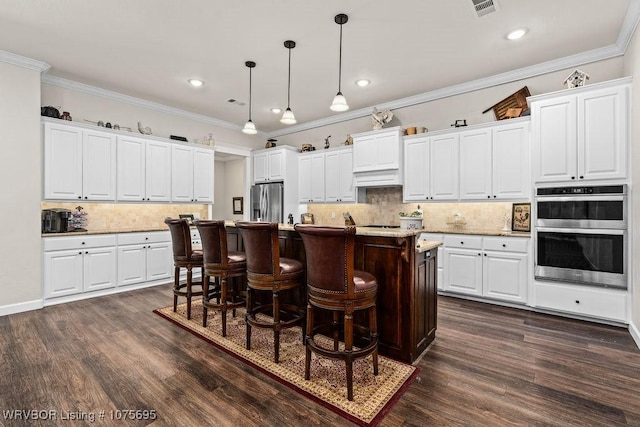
484	7
235	101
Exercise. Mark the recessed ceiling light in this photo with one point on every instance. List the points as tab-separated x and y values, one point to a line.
195	82
363	82
517	34
276	110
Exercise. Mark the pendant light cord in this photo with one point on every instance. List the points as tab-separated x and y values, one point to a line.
250	93
289	82
340	63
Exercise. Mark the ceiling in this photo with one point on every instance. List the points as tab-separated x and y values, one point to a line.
149	48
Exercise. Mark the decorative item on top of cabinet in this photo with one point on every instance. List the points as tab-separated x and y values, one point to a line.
349	140
144	130
459	123
507	108
576	79
270	143
326	142
380	118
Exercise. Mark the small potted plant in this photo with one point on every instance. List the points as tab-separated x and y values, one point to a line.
411	221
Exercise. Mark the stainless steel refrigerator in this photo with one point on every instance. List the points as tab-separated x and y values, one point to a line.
267	202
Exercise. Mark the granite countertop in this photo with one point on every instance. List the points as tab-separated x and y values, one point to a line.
363	231
426	245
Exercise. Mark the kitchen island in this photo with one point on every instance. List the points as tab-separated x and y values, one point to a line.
406	271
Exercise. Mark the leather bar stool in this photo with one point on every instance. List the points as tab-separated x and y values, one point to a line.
223	265
267	271
333	284
184	257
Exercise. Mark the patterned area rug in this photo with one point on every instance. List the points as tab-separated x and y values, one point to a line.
373	395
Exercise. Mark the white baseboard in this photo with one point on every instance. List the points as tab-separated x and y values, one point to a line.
21	307
635	333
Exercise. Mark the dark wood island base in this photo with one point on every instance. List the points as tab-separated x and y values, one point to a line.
407	288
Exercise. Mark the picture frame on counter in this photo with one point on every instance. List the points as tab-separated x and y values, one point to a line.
521	217
238	205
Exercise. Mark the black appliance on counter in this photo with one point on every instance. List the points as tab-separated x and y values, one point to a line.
55	220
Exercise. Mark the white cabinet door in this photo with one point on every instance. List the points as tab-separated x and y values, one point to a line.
554	139
444	167
304	178
602	134
159	261
475	164
387	146
416	170
317	178
62	273
275	165
131	169
62	162
98	165
364	153
346	191
100	266
260	167
203	177
510	165
181	173
131	264
505	276
158	171
463	271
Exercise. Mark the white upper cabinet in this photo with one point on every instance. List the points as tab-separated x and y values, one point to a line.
377	157
191	174
311	178
431	168
339	176
269	165
582	133
494	162
78	164
144	169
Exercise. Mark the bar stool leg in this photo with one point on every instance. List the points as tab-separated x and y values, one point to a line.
176	286
189	277
373	325
223	297
205	299
276	329
309	337
249	309
336	331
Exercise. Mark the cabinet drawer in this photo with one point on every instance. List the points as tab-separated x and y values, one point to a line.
140	238
76	242
603	303
432	237
461	241
508	244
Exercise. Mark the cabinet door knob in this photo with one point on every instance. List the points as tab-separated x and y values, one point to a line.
83	243
485	254
80	197
494	196
581	177
504	246
462	243
573	177
479	253
79	253
577	301
86	252
85	197
488	197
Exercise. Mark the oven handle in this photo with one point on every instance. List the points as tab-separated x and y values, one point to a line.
582	230
598	198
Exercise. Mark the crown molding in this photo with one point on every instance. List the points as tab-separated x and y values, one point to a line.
24	62
115	96
631	19
474	85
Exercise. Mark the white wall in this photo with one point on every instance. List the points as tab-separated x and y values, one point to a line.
21	175
229	183
440	114
632	67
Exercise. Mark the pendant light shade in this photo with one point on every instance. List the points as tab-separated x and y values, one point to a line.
287	117
249	127
339	101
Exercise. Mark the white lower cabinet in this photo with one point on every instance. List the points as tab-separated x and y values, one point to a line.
144	257
74	265
491	267
610	304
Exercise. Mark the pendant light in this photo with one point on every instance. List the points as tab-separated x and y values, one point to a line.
339	102
249	127
287	117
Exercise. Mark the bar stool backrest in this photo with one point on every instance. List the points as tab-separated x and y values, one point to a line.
261	246
213	235
181	238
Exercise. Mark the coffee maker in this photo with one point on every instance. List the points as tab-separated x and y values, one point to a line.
55	220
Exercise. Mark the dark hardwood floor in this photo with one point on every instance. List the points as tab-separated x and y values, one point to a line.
489	365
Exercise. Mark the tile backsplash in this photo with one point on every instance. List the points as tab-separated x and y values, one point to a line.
384	204
126	216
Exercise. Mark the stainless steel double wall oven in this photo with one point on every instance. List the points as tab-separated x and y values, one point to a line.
581	235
